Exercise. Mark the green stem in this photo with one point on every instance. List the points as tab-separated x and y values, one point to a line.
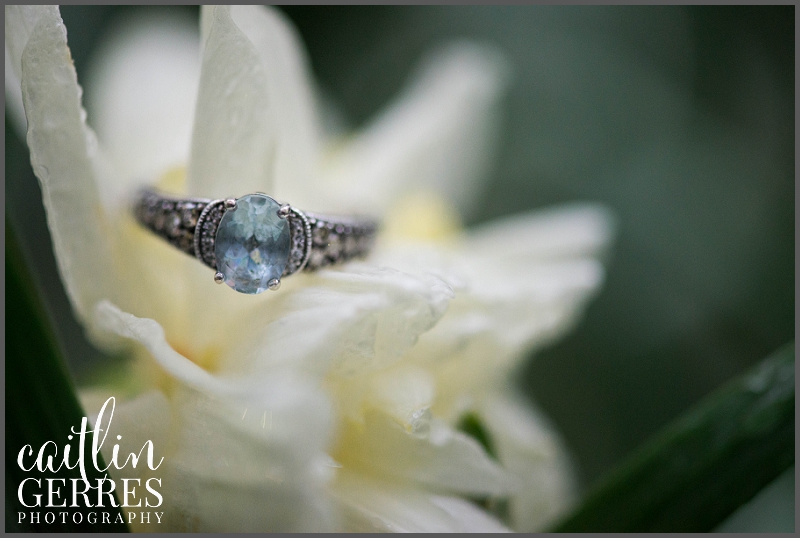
702	467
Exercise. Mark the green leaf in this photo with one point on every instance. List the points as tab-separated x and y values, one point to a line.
472	425
41	406
706	464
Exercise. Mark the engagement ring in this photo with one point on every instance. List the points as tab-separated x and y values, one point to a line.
253	242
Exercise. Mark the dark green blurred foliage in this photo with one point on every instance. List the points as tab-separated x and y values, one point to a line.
36	378
471	424
700	283
702	467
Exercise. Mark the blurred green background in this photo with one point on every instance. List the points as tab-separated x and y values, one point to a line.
680	119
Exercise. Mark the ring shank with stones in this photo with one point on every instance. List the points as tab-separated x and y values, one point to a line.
253	241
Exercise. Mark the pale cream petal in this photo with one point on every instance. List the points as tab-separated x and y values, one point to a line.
146	417
405	394
97	251
216	505
253	463
217	474
439	135
65	157
483	342
402	392
356	319
140	92
370	505
290	88
147	331
527	278
254	123
233	141
471	518
529	448
244	454
521	306
139	426
206	18
516	289
442	460
555	232
282	392
20	23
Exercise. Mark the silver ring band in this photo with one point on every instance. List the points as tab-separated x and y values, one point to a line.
191	225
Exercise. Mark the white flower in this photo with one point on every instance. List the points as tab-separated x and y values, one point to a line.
332	404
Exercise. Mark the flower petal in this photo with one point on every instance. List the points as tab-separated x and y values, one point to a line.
370	505
291	92
360	318
244	454
442	460
146	417
252	463
255	123
571	230
20	23
147	331
516	289
141	90
277	393
532	274
529	449
233	140
64	153
439	136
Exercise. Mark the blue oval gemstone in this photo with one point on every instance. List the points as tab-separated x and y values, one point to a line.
252	244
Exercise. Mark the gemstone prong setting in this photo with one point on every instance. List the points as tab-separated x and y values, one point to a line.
252	244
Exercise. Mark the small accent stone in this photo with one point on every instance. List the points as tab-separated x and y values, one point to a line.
172	225
350	245
334	246
320	236
190	218
252	244
317	259
185	241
